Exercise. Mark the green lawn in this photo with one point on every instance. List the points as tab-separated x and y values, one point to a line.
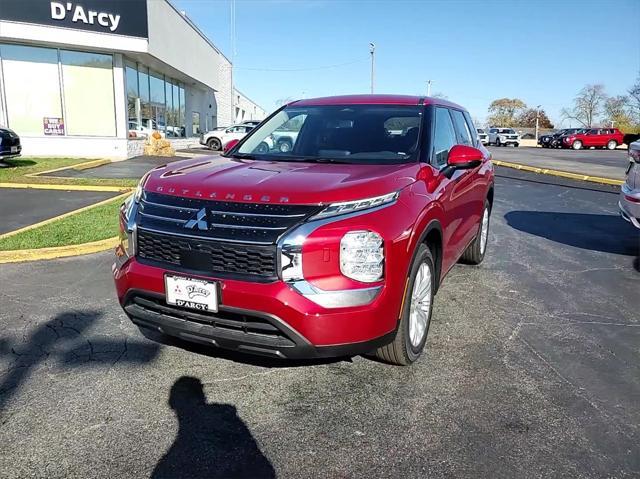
93	224
20	167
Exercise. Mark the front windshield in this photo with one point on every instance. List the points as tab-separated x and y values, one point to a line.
357	134
507	131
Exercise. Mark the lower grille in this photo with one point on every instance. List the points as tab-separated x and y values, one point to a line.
208	257
234	326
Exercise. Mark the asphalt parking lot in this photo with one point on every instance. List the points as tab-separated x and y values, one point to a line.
25	206
605	163
532	370
132	168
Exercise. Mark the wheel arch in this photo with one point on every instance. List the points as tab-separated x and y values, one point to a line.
432	237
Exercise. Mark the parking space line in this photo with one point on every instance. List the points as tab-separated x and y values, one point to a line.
559	173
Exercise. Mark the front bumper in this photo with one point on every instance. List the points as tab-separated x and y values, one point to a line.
8	153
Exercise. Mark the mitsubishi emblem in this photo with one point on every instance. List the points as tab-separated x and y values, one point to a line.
200	221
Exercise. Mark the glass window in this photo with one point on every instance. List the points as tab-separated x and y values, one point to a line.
157	104
32	87
87	80
181	121
195	123
472	127
176	110
444	137
145	105
133	97
464	135
356	134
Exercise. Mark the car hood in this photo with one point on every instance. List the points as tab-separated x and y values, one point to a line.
296	182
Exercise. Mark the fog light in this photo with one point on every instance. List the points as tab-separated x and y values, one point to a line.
362	256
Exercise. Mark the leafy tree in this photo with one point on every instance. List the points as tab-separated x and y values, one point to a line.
587	105
502	112
617	111
528	119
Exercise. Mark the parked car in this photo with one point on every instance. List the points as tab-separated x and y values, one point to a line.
482	136
336	247
10	146
216	139
547	141
504	137
608	138
629	203
557	141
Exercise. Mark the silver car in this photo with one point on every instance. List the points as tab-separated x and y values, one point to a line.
630	195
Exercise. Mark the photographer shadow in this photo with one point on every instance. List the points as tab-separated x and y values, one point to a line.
212	441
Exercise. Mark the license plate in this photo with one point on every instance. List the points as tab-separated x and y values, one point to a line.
191	293
14	149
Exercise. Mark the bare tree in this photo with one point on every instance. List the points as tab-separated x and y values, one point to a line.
586	105
634	100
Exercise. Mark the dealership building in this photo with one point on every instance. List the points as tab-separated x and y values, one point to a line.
91	78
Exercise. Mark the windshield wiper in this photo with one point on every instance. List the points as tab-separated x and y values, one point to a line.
314	159
243	156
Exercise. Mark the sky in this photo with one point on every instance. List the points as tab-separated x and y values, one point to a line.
542	52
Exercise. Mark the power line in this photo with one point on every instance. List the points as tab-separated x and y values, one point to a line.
325	67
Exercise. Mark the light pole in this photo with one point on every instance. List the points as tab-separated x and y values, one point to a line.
428	87
372	50
537	121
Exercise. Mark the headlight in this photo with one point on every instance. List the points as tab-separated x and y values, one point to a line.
362	256
350	206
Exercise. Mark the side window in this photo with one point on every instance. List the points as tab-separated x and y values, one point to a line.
493	130
444	137
472	128
464	135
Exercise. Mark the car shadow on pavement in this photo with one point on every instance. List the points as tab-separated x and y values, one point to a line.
62	341
604	233
212	441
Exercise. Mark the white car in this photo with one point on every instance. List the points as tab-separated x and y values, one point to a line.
482	136
630	195
217	139
504	137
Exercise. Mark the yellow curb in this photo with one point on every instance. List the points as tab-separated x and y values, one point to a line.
64	215
45	186
57	251
80	166
562	174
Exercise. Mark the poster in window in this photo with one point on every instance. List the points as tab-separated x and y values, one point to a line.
53	126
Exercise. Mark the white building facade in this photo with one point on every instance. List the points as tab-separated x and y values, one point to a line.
245	109
89	78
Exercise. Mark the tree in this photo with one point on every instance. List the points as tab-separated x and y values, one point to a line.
634	100
527	119
502	112
617	112
587	105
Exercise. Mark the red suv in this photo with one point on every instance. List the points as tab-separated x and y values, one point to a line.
334	247
608	138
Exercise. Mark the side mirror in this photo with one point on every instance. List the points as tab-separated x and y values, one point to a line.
230	145
462	157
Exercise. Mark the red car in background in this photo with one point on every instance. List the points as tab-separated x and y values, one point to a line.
334	247
608	138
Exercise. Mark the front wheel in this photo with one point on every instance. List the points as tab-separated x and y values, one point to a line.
214	144
516	145
576	145
498	142
413	327
284	146
474	254
612	145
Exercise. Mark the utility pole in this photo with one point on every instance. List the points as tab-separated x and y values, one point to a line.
372	50
428	87
537	121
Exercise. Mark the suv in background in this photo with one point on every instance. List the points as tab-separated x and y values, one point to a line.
217	138
482	136
504	137
10	146
608	138
630	195
335	247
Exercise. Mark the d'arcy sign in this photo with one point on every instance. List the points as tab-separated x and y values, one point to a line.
120	17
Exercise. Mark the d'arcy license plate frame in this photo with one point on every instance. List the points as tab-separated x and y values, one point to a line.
191	293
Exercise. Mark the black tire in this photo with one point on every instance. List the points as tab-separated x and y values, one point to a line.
516	145
474	254
498	142
263	147
284	146
214	144
400	351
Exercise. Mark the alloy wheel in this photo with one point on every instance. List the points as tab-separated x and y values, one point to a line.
420	307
